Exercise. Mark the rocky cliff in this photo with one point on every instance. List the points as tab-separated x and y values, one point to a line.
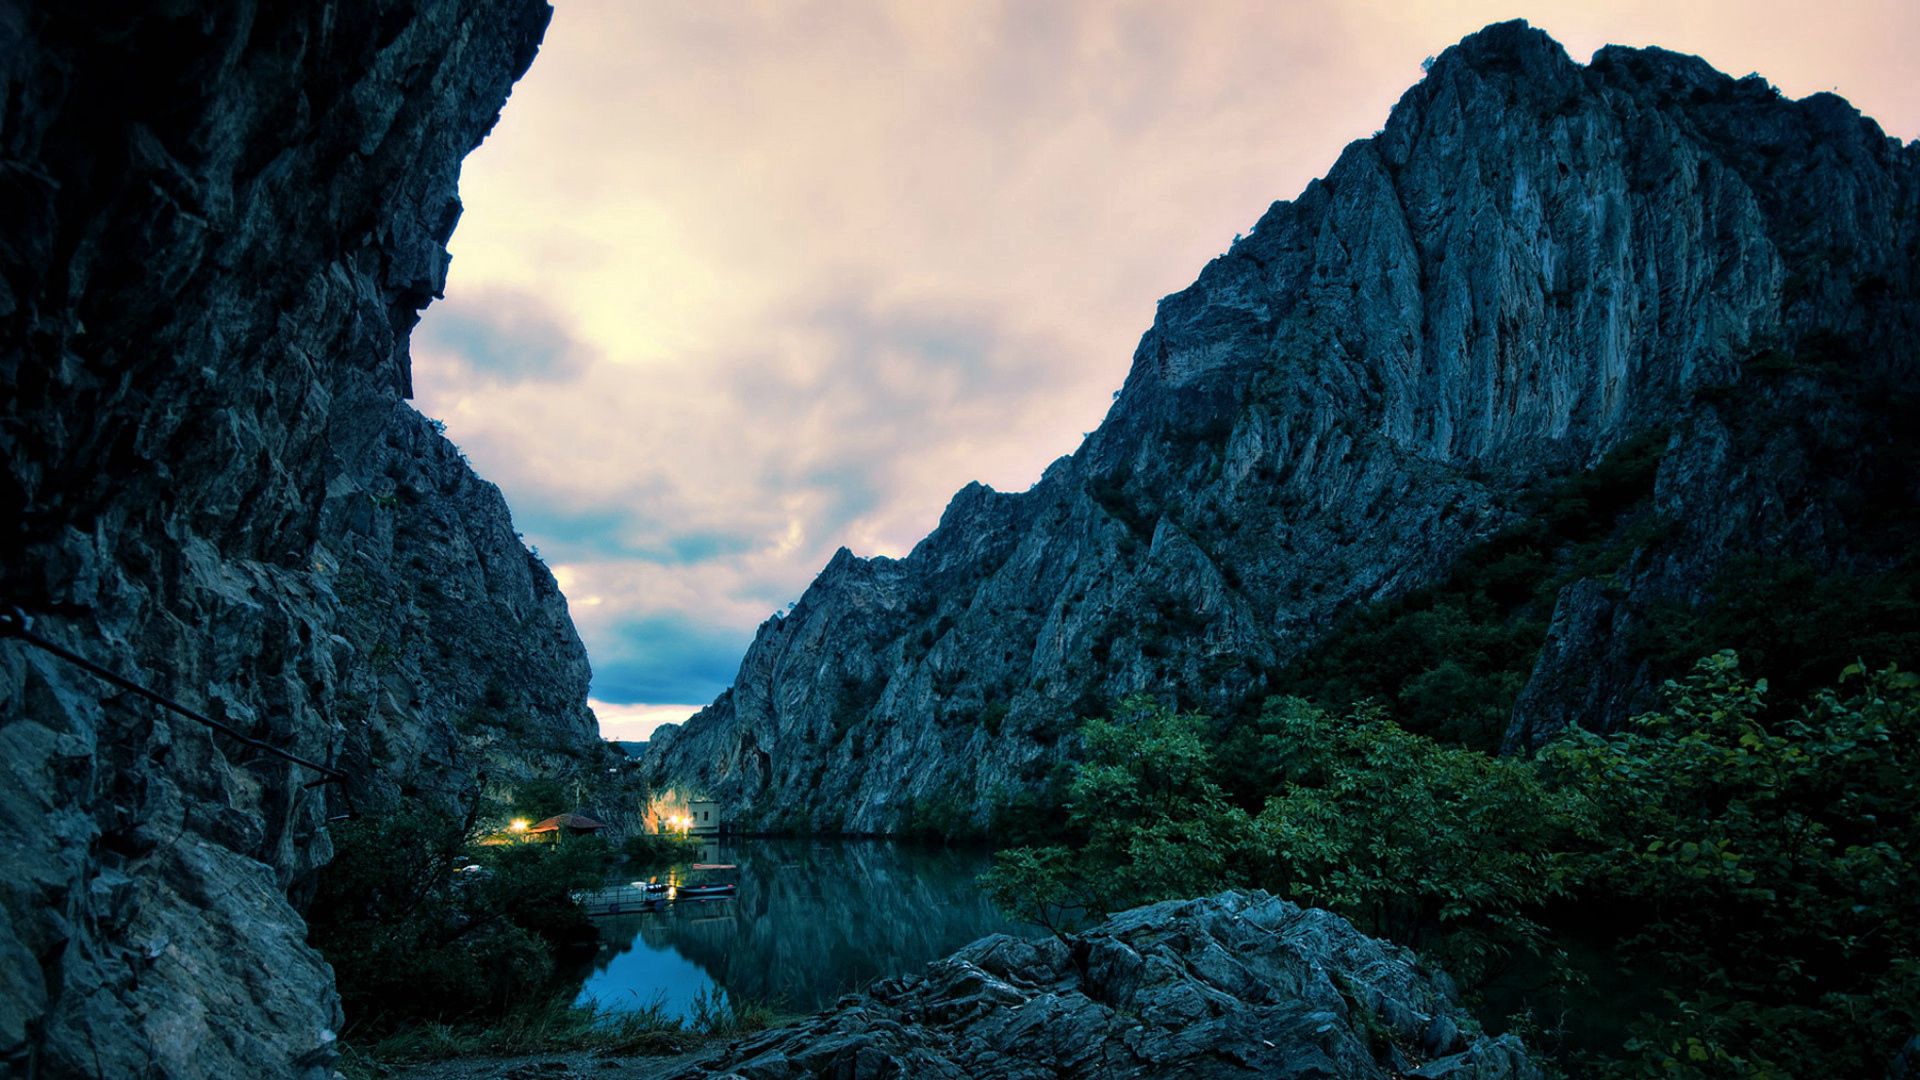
220	224
1236	985
1534	265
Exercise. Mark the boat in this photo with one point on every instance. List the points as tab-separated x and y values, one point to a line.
705	892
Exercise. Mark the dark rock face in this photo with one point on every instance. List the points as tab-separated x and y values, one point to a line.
220	223
1236	985
1533	263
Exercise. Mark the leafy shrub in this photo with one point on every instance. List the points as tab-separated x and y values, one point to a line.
1747	874
648	850
1031	814
1392	829
942	816
1150	819
1793	621
410	939
1769	870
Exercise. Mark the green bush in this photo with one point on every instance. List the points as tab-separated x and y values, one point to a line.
1149	821
1765	871
1739	878
1446	849
653	850
1793	621
409	939
1034	814
944	816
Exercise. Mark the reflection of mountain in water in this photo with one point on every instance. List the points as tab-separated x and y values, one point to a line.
813	920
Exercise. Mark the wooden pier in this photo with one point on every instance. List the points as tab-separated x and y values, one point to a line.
632	900
619	900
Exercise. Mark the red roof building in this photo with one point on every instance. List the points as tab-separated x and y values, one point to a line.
571	824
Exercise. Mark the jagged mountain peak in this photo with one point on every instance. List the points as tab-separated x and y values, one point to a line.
1534	265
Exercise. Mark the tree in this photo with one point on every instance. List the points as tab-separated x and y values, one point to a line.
1441	847
1157	823
1770	870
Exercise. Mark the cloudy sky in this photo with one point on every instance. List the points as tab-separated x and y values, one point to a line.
740	283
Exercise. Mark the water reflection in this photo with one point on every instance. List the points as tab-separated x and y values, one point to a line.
812	920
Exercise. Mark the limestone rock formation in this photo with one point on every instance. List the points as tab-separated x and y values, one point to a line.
1236	985
1534	263
220	224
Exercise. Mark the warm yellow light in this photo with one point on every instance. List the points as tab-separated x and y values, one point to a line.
519	824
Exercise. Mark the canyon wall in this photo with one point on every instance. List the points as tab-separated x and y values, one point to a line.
221	224
1535	264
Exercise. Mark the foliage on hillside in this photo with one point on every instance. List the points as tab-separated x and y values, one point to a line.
1450	659
1754	868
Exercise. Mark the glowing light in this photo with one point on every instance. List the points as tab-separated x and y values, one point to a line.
519	824
668	813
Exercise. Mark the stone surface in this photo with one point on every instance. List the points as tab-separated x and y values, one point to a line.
1236	985
220	223
1532	263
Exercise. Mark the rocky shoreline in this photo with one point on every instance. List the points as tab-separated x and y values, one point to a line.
1240	984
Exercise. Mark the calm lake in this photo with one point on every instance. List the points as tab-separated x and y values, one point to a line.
812	920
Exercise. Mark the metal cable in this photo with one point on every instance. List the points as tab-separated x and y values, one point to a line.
15	623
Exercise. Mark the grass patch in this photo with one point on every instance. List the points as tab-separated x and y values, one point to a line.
556	1026
719	1016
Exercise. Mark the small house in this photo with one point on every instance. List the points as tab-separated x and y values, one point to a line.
563	825
705	817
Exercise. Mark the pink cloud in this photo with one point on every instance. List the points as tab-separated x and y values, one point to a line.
765	279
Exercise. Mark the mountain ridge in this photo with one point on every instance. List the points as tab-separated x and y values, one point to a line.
1533	263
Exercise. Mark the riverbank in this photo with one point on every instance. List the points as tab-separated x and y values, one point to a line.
1231	986
811	920
1234	985
576	1066
556	1039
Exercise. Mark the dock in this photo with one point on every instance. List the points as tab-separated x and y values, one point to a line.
631	900
619	900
